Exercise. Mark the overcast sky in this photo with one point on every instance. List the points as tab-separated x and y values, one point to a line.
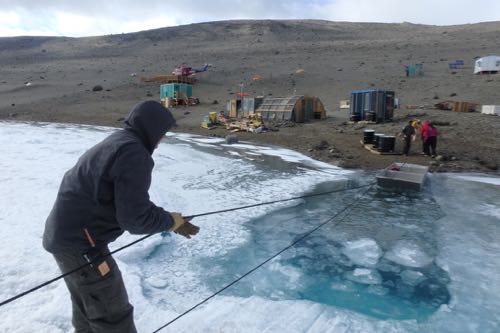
89	18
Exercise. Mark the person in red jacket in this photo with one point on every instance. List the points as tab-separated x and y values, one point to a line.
430	140
423	128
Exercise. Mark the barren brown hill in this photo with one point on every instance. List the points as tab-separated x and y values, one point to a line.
51	79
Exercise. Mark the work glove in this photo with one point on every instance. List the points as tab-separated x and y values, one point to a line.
182	226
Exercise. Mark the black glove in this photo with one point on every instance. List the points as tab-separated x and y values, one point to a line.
183	227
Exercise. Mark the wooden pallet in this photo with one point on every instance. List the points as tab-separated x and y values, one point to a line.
369	147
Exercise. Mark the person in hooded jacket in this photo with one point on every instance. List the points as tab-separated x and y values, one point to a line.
101	197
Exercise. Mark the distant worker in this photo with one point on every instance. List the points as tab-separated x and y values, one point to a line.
101	197
408	135
430	137
423	128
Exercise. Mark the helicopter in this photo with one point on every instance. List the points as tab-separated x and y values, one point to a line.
185	70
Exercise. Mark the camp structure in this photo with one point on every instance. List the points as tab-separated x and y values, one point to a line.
414	70
243	106
487	65
490	109
372	105
457	106
298	108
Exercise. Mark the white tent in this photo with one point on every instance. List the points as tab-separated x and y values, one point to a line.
487	64
491	109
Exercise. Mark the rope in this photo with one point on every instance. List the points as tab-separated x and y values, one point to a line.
304	236
29	291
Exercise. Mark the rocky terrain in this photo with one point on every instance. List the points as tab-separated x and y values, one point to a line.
52	79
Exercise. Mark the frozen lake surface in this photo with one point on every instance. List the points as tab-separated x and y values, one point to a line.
394	262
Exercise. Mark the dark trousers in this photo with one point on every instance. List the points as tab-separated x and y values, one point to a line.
100	302
406	149
430	146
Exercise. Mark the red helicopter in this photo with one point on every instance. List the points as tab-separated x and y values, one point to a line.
184	70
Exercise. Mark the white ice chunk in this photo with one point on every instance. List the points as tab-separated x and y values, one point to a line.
412	278
364	276
408	254
363	252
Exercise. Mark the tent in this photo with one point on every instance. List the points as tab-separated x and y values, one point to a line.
489	64
294	108
491	109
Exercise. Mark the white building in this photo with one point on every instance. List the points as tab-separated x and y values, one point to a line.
489	64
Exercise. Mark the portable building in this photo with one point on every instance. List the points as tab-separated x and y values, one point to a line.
242	107
372	104
491	109
294	108
414	70
176	90
489	64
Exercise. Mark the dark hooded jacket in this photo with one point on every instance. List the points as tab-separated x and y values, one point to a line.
106	192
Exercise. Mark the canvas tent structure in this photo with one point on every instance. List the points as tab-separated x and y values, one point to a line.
296	108
490	109
487	65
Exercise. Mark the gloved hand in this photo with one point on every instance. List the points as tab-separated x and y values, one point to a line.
182	226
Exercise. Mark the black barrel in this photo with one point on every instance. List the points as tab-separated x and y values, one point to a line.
368	136
370	116
386	144
355	117
376	139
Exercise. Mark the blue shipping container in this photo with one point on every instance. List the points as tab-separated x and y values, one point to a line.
374	105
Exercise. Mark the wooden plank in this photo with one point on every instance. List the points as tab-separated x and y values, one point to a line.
370	148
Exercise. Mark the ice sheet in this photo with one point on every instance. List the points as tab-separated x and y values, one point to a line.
453	228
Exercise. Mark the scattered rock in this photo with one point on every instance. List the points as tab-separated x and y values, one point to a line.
97	88
108	89
453	94
320	146
120	119
339	69
215	102
441	123
435	96
12	115
149	94
13	104
187	112
492	166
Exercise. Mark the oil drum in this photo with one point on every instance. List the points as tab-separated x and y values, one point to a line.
368	136
376	139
